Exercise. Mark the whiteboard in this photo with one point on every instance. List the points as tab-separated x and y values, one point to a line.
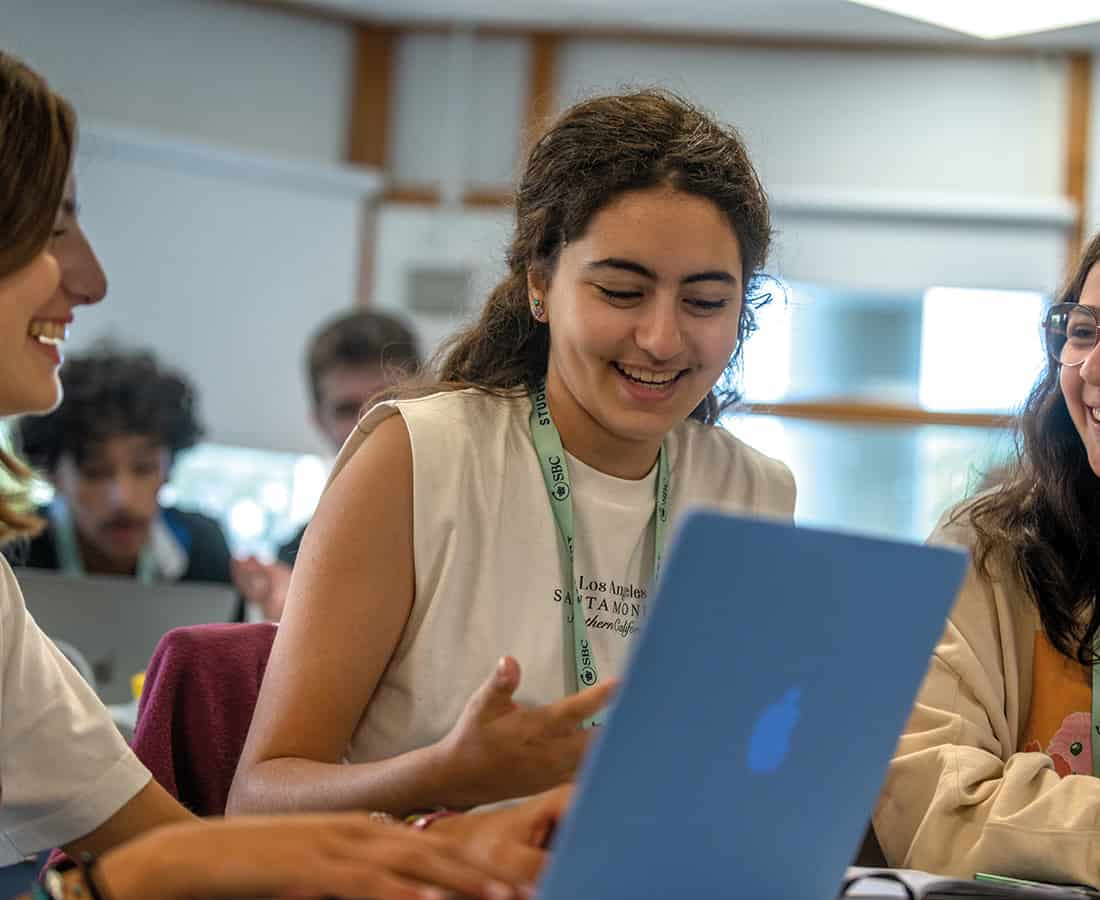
223	263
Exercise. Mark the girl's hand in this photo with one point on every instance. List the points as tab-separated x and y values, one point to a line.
515	838
345	855
499	749
264	585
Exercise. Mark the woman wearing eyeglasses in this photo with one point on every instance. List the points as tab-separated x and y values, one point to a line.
994	770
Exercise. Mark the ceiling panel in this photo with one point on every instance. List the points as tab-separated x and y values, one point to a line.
821	19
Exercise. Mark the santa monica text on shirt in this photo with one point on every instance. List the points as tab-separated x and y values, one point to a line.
623	627
626	600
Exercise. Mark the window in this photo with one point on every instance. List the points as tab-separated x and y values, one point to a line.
980	350
260	497
947	350
894	481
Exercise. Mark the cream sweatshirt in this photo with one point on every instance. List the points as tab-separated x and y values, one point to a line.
975	784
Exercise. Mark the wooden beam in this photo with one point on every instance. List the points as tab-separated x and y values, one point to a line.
428	195
489	198
542	88
371	96
855	413
368	131
1079	111
412	194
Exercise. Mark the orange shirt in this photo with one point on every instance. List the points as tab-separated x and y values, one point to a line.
1059	722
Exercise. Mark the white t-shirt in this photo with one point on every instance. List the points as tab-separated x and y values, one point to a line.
64	767
489	573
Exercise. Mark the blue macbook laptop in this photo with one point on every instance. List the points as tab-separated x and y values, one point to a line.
761	705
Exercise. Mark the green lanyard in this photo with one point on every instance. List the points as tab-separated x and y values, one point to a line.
555	471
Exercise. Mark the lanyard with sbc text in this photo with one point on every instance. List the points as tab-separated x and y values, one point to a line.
555	471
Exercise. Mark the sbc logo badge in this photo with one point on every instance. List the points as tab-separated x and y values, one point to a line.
588	676
558	478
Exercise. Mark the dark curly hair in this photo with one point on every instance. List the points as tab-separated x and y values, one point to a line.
111	392
592	153
1042	520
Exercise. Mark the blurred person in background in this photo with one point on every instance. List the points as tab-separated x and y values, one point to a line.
107	450
349	360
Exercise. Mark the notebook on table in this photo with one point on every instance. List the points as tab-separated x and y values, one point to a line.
910	884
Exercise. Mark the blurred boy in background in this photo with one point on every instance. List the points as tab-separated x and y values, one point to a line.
348	361
107	450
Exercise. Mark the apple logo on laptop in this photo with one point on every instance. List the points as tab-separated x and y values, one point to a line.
771	735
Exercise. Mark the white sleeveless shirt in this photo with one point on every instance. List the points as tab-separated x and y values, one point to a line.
489	574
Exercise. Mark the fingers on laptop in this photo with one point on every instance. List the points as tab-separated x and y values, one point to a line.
494	869
339	855
513	838
502	838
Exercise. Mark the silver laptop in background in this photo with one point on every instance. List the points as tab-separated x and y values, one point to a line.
114	623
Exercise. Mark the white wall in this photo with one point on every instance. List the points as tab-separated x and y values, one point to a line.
223	253
1092	208
901	242
872	120
222	263
425	139
410	237
888	172
200	69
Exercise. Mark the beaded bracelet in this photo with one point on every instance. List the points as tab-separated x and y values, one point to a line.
422	821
